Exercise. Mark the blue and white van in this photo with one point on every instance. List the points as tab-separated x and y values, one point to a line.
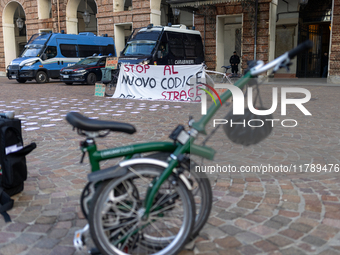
46	54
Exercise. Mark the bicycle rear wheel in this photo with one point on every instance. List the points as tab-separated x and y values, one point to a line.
116	225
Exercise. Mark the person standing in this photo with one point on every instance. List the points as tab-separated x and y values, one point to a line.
324	63
234	61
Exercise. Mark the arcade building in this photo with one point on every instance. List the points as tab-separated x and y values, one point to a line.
261	29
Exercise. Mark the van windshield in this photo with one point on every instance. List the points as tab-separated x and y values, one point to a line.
32	50
139	48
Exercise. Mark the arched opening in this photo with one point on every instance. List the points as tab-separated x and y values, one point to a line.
14	30
81	16
315	25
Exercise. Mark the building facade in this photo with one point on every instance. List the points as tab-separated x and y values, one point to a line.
254	28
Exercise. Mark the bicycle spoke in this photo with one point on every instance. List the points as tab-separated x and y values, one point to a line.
163	218
162	210
158	202
127	234
119	225
153	225
139	175
162	201
127	206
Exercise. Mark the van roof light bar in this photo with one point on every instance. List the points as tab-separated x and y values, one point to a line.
149	26
180	26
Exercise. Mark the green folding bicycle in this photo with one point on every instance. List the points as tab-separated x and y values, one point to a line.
145	204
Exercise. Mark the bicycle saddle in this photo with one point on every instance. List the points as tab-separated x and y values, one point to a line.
84	123
226	67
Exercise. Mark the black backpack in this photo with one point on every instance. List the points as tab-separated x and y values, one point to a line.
12	161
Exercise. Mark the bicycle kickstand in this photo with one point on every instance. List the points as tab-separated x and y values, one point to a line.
79	238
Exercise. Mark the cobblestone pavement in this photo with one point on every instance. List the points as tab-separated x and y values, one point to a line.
294	212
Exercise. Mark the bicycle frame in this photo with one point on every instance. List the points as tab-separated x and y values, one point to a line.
224	75
96	156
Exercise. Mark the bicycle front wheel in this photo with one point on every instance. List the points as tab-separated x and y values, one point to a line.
111	86
201	190
115	218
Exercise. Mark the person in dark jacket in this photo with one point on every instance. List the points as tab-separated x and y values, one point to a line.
324	64
234	61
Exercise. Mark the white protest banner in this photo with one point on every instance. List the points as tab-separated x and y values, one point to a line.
158	82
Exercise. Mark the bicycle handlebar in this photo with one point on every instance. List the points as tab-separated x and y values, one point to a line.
301	47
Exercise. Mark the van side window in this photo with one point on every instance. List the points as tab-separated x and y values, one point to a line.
189	45
164	49
68	50
88	50
51	51
199	47
176	44
106	50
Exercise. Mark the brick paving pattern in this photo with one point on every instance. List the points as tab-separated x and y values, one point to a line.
253	213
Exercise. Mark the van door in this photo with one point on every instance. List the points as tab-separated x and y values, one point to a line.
193	49
68	52
49	62
162	53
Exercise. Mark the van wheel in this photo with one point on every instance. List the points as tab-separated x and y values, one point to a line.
21	80
91	79
41	77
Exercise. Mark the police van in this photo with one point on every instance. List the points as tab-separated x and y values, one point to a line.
46	54
163	45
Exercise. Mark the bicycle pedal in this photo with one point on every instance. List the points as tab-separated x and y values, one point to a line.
79	239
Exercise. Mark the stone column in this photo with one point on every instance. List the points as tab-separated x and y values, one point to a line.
71	16
9	32
72	25
334	49
118	5
9	43
272	29
155	14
